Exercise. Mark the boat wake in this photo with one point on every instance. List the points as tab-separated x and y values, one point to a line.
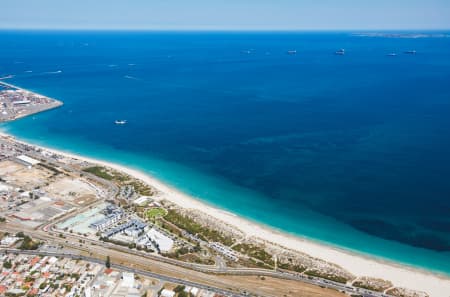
53	72
131	77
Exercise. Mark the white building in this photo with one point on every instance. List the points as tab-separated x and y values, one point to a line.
165	243
8	241
27	161
167	293
133	232
5	188
87	292
128	279
191	290
194	291
142	201
107	221
52	260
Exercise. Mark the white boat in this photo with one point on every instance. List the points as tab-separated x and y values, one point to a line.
340	52
392	54
292	52
120	122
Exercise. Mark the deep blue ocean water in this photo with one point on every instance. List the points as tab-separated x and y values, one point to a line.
349	150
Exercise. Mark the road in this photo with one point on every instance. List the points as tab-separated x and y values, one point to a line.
127	269
172	266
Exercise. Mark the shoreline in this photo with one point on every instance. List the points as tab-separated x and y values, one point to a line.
358	264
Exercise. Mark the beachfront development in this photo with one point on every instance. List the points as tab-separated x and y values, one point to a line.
73	226
83	209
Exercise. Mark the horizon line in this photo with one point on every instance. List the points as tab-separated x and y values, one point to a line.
415	30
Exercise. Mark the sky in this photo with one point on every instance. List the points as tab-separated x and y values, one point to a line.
225	14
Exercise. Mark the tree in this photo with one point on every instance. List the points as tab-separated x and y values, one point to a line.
179	288
108	262
7	264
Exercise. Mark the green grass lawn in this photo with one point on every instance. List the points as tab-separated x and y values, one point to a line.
157	212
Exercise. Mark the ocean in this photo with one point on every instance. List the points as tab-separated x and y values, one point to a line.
350	150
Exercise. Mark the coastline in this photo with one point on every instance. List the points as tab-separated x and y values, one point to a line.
359	265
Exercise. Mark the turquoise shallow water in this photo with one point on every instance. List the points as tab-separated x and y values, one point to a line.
350	151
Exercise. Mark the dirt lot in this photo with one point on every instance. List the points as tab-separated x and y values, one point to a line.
24	177
8	167
71	190
283	288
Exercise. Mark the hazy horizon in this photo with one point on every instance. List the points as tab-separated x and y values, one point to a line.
201	30
233	15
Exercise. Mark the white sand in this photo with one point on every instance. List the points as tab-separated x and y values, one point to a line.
434	285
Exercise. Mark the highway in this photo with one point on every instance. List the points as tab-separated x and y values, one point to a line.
127	269
234	271
324	283
174	266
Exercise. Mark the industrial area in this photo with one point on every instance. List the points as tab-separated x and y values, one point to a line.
16	102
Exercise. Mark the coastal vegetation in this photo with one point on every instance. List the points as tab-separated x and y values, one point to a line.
291	267
99	171
373	284
255	252
121	179
328	276
140	187
186	254
366	286
186	223
170	227
404	292
252	263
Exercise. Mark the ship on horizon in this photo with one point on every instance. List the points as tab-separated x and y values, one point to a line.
120	122
340	52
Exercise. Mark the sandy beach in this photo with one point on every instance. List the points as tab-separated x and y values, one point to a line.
359	265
